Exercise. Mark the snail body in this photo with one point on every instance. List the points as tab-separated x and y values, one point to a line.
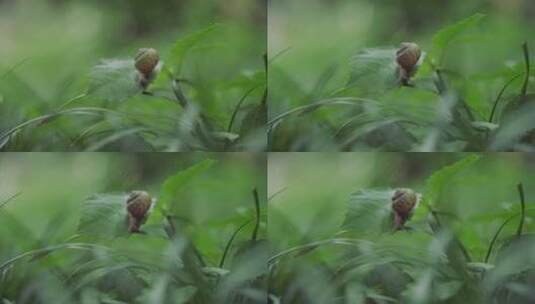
138	204
403	203
407	57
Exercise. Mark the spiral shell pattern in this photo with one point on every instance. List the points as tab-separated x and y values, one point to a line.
146	60
403	202
408	55
138	204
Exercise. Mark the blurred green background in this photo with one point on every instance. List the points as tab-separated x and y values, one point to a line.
59	41
54	185
327	210
308	37
43	236
341	55
314	188
47	50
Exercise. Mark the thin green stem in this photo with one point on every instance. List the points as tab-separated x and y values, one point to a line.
230	241
523	209
72	100
347	101
238	107
525	49
499	97
257	209
495	237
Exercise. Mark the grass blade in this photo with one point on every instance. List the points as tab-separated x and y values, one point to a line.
499	97
46	118
495	237
115	137
237	109
348	101
2	204
312	246
47	250
230	241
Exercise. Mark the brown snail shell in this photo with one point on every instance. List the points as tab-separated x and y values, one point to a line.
403	202
146	61
138	203
408	55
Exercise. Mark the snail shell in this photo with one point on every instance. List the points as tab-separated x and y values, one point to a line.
403	202
138	203
407	56
146	60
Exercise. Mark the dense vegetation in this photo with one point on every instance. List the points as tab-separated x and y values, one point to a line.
471	88
470	238
79	90
203	241
249	76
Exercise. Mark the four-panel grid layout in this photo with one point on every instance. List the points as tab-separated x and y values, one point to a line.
267	151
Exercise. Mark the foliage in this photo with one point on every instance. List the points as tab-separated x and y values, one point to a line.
440	256
453	103
202	96
173	260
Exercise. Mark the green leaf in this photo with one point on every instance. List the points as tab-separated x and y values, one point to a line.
104	215
175	184
182	46
373	70
114	80
369	211
436	183
444	37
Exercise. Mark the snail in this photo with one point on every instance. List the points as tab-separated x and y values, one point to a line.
146	61
138	205
403	203
407	57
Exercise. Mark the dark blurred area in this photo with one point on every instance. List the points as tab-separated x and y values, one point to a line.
145	17
415	15
137	19
390	20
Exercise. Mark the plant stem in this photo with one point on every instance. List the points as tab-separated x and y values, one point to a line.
237	108
68	102
230	241
495	237
180	96
257	207
526	78
499	97
522	210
